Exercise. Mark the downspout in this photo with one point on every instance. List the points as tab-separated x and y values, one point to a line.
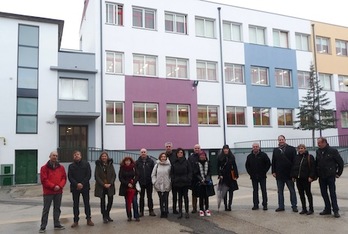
101	78
222	79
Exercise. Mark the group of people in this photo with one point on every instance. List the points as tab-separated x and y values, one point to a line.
172	172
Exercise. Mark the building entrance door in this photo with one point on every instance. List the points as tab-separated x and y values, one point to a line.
71	138
25	166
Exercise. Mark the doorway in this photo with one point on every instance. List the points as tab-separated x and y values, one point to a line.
25	166
71	138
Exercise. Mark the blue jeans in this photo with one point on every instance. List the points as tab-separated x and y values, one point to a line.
324	183
291	186
255	183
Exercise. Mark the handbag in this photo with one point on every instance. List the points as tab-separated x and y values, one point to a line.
137	186
233	175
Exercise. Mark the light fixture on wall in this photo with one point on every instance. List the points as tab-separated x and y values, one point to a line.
195	84
4	140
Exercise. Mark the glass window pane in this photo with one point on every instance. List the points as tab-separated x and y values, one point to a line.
28	35
110	111
80	89
236	33
28	57
199	27
202	115
27	78
26	124
139	113
171	114
137	18
182	70
151	114
209	28
227	31
180	23
65	88
211	71
27	106
201	71
183	113
213	115
149	19
169	22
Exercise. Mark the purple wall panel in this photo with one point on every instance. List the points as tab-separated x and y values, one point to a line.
161	91
341	105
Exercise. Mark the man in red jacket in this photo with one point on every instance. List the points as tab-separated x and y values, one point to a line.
53	179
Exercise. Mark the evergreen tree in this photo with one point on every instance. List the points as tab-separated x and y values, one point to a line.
312	113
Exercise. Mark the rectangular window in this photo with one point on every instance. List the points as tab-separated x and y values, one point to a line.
344	119
27	78
283	78
206	70
232	31
176	23
205	27
341	83
234	73
257	35
303	79
144	65
114	62
145	113
325	81
341	48
27	109
259	75
285	117
208	115
323	45
73	89
302	41
114	112
178	114
144	18
235	115
261	116
114	14
176	67
280	38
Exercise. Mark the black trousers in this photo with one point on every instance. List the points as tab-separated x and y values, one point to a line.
76	200
183	194
105	211
262	183
148	189
303	186
228	202
203	199
163	201
174	197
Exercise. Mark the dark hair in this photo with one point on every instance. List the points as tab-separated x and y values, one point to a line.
180	149
104	152
202	152
123	162
159	156
226	147
323	139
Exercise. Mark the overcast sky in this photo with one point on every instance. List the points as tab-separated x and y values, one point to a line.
333	11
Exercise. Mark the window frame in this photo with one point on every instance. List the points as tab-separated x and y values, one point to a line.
178	117
320	46
259	75
230	73
300	45
116	11
144	22
177	67
342	87
256	40
342	48
33	115
205	20
145	123
206	73
279	34
233	117
73	98
284	115
208	112
327	80
232	35
344	119
303	77
115	113
115	62
260	114
175	23
145	65
279	74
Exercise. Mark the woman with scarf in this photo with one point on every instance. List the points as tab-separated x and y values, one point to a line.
161	182
203	184
303	172
105	184
228	174
128	178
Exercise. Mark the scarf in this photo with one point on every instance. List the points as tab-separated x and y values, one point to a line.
203	170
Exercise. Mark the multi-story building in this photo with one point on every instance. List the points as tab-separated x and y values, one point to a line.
155	71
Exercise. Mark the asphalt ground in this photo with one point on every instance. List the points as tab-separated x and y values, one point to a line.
21	207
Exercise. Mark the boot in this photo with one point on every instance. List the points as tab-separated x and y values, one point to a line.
151	213
108	217
194	205
89	222
129	216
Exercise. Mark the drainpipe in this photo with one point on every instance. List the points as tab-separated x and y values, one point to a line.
101	78
222	79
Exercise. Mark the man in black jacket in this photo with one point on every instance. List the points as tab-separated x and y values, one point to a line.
282	160
257	165
329	164
79	174
144	166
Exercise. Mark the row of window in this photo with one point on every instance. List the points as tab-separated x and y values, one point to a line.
206	27
179	114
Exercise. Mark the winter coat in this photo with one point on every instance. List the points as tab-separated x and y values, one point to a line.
79	172
181	172
144	169
126	175
328	162
171	156
199	181
257	165
227	163
161	176
303	167
51	176
104	174
282	161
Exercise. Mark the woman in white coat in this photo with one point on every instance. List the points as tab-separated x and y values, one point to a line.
161	182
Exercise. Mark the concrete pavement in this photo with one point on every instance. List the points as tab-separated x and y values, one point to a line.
21	208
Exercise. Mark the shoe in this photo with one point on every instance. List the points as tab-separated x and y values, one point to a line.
279	209
255	208
325	212
187	215
141	214
89	222
201	213
175	212
310	212
208	213
265	208
129	219
294	210
303	212
194	211
59	227
42	230
137	219
109	219
152	213
75	224
337	215
105	220
180	216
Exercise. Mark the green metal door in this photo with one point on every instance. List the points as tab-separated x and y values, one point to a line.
26	167
213	157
